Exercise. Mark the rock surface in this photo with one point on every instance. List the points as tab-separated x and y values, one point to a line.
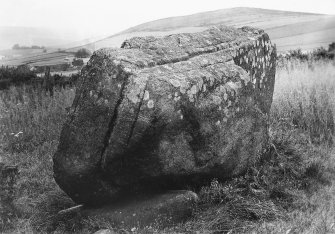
161	113
160	210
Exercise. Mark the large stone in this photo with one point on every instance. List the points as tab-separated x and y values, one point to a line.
163	113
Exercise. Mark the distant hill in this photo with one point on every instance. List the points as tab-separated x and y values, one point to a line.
234	16
289	30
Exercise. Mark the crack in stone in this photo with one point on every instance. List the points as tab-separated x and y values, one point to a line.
137	115
112	121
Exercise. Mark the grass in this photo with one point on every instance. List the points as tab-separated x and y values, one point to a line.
289	191
30	125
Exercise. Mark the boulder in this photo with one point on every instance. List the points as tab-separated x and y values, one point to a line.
164	113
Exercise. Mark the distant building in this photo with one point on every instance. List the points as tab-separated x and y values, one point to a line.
2	57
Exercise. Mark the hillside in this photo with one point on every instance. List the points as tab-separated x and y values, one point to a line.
233	16
289	30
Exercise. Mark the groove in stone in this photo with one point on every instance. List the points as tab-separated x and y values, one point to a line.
136	115
112	122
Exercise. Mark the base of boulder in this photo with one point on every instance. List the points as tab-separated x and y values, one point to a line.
160	210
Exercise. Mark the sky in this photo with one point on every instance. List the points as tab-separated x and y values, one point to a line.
105	17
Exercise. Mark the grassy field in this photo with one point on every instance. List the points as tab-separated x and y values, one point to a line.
39	59
290	191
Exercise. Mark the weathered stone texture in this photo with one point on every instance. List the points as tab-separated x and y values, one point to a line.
164	112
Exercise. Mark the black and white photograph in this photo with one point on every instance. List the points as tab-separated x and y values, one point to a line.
172	117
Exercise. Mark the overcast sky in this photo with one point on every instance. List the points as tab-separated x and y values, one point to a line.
98	17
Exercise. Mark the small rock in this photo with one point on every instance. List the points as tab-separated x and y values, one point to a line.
105	231
160	209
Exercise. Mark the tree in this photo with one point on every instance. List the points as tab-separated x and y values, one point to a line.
64	66
320	53
331	47
83	53
16	47
297	54
77	62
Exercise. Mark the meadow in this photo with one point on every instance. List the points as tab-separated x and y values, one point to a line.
290	190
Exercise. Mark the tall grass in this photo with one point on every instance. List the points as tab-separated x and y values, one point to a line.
30	118
298	161
30	124
304	98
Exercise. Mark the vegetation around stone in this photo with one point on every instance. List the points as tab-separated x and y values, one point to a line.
316	54
291	190
24	76
16	75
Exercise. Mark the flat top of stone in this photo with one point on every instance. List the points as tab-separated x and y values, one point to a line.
151	51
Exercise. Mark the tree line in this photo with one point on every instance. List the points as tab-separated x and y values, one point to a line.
18	47
24	75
